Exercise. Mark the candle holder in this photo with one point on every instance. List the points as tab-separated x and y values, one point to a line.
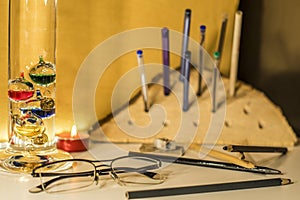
73	141
31	86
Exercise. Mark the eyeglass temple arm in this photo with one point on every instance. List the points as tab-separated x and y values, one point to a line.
47	174
142	171
40	188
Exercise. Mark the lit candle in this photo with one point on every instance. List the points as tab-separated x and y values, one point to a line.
73	141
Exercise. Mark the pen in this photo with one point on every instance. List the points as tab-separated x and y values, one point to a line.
214	81
257	149
166	60
222	34
186	81
223	156
206	163
143	79
201	61
185	39
240	185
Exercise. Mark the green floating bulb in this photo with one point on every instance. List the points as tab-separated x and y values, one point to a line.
43	73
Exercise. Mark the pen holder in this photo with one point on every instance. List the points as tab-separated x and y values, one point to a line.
31	85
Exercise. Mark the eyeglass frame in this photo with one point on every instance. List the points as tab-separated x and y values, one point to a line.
95	173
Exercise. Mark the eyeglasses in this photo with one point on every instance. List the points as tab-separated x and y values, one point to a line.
83	173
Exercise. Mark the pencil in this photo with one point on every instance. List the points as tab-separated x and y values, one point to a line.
257	149
207	188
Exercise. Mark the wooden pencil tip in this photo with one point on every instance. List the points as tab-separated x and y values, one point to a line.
285	181
127	195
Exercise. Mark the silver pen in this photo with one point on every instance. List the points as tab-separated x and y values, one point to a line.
185	39
143	79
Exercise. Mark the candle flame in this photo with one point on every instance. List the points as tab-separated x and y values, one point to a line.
74	131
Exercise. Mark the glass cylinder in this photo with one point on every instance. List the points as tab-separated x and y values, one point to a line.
31	85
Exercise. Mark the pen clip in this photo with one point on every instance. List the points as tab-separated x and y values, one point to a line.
242	155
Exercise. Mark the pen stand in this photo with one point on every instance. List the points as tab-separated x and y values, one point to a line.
31	86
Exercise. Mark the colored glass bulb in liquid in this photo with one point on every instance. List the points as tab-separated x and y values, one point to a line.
39	112
43	79
43	73
29	125
19	95
29	130
20	89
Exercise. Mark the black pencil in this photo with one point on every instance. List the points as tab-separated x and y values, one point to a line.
222	35
207	188
257	149
207	163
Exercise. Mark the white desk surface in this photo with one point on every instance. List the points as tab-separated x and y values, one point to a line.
15	186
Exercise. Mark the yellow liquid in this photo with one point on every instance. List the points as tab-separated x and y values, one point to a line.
29	130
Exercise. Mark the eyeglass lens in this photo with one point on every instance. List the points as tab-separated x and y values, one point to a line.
80	175
136	170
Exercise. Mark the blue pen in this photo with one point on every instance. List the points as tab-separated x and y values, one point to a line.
143	79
